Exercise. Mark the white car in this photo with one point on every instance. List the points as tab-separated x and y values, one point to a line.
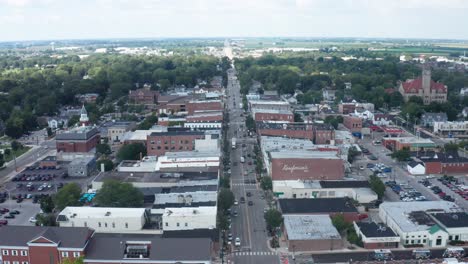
236	202
33	220
237	243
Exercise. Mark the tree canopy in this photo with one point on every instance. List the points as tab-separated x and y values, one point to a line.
273	219
132	151
225	199
118	194
69	195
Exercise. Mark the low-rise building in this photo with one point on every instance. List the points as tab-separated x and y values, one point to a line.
411	143
140	136
416	168
116	130
103	219
82	167
158	143
43	244
376	236
451	129
173	104
147	164
188	159
143	96
412	221
287	130
346	108
320	206
269	105
328	94
189	218
311	233
445	163
323	134
428	119
306	165
455	224
204	106
381	120
357	190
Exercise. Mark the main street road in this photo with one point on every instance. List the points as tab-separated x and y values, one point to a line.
249	225
37	152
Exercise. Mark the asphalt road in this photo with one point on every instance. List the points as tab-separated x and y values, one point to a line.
27	210
249	225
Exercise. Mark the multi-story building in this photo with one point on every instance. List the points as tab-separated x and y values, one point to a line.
116	130
268	115
425	88
451	129
445	163
269	105
289	130
306	165
195	106
346	108
82	167
353	123
158	144
323	134
173	104
140	136
41	244
428	119
79	139
143	96
103	219
204	120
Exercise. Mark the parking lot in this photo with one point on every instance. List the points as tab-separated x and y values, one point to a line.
26	209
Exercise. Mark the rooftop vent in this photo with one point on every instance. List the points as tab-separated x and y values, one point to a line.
108	213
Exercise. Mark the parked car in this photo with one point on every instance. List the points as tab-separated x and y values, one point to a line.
16	212
3	222
237	242
9	216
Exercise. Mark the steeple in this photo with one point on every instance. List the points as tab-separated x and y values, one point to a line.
84	120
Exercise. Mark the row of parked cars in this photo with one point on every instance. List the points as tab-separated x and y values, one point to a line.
453	184
7	214
437	190
406	193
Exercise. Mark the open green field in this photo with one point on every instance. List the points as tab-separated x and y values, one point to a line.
14	154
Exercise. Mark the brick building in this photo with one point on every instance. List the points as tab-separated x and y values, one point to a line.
205	117
269	105
289	130
78	139
158	144
172	104
204	106
143	96
39	245
445	163
354	124
306	165
273	115
323	134
425	88
412	143
346	108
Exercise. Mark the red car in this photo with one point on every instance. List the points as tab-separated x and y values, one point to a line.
441	194
363	216
3	222
4	210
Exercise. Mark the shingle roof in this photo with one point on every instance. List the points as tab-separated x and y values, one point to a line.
374	230
416	85
452	220
69	237
317	205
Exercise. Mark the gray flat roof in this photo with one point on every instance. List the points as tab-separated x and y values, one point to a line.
310	227
78	133
155	176
112	247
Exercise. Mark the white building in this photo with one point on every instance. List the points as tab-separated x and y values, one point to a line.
416	168
188	159
413	223
141	135
357	190
464	91
451	128
203	125
455	224
189	218
103	219
147	164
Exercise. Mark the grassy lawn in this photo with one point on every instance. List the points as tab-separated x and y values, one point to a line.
18	153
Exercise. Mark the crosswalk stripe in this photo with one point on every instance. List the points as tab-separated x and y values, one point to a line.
254	253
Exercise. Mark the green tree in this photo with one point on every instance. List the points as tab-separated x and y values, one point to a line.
73	120
132	151
69	195
266	183
377	186
119	194
298	118
401	155
451	147
7	152
223	223
352	154
108	164
15	145
340	223
250	123
273	219
46	220
49	131
148	122
103	149
225	199
73	261
47	204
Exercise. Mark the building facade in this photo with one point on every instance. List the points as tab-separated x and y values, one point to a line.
79	139
451	129
425	88
158	144
143	96
353	123
204	106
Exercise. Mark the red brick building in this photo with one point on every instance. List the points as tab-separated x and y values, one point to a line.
205	117
346	108
288	130
353	123
143	96
157	144
273	115
323	134
444	163
40	245
79	139
306	165
204	106
172	104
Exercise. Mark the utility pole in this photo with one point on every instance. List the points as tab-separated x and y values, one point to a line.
14	159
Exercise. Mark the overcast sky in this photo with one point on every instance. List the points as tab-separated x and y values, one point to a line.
83	19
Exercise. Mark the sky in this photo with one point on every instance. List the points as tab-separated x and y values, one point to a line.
91	19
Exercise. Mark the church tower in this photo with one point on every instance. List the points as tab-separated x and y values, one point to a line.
426	80
84	120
